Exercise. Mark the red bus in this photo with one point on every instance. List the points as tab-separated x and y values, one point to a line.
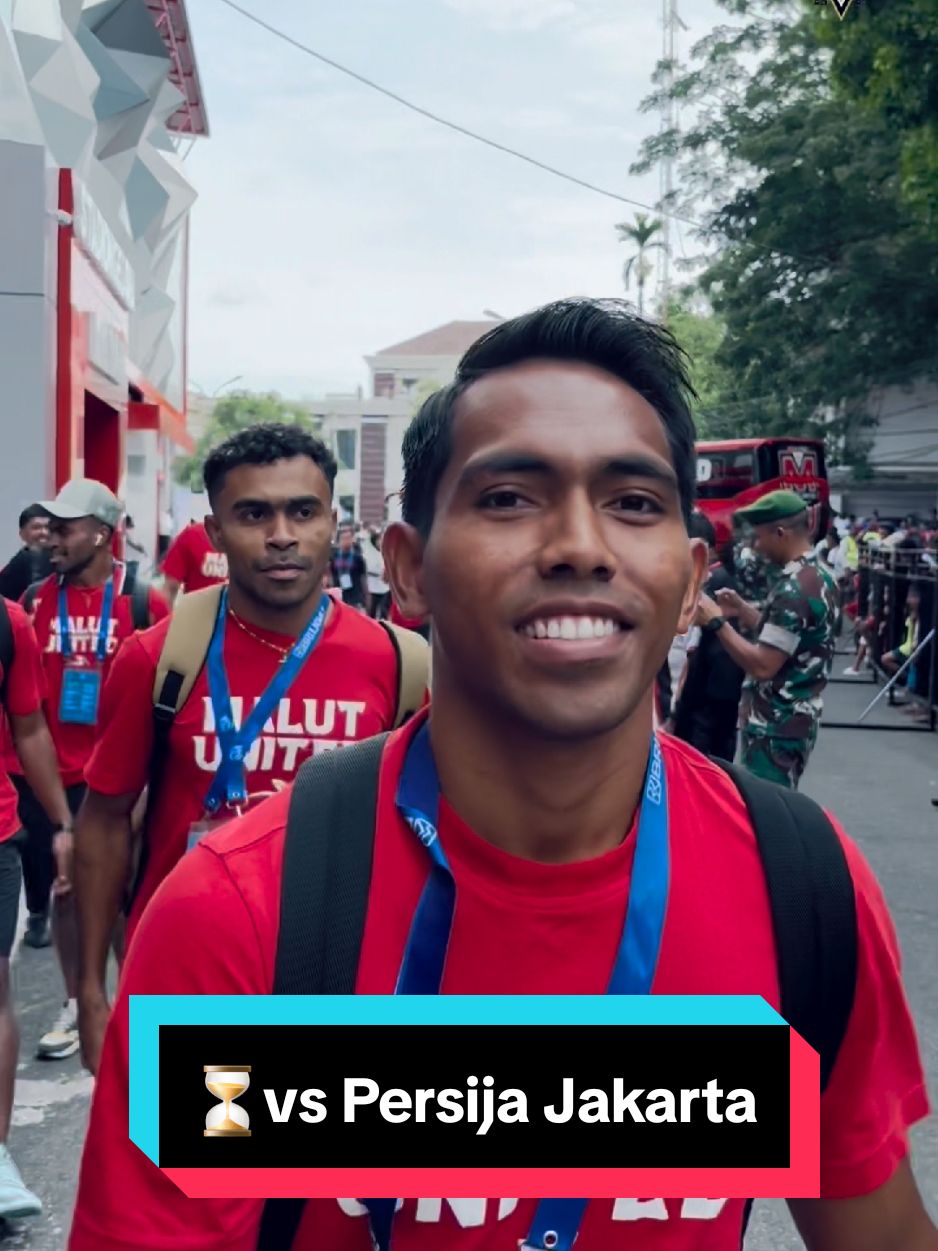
734	472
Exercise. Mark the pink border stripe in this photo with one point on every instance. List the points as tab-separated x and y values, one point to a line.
800	1181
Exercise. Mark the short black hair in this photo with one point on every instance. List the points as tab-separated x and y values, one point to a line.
262	445
607	334
701	527
32	513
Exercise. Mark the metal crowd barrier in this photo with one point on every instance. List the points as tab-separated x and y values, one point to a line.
884	577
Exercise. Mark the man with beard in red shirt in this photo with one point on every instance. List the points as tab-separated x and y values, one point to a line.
81	615
270	490
546	502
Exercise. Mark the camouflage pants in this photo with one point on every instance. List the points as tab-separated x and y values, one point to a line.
780	760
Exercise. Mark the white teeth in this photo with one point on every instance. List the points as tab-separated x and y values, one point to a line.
571	628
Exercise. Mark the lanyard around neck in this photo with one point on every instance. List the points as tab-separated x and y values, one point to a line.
228	785
104	626
556	1221
418	799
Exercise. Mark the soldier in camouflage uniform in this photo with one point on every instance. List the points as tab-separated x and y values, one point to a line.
788	664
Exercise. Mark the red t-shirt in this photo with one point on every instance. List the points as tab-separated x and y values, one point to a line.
192	561
23	696
347	690
520	928
74	743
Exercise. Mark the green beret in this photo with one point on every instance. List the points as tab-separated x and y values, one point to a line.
776	506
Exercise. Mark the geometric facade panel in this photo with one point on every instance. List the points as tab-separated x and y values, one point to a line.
91	80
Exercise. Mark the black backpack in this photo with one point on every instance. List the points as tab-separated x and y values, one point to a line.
327	876
135	587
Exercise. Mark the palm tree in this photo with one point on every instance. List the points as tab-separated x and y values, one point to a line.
642	235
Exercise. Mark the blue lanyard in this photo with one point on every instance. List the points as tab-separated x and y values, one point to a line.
229	784
104	627
556	1221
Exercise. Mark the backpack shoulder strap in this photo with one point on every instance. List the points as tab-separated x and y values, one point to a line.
814	915
29	595
323	901
814	912
180	663
139	593
185	648
6	647
327	870
413	670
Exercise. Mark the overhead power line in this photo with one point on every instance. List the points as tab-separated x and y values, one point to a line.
450	124
533	161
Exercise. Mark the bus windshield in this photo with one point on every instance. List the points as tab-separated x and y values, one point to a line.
735	472
725	473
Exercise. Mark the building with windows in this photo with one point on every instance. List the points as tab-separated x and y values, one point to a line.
430	358
900	470
96	98
366	432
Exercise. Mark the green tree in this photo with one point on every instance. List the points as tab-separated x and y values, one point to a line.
641	233
886	59
824	279
700	333
233	412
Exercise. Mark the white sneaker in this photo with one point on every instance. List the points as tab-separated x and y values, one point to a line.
852	672
62	1039
16	1202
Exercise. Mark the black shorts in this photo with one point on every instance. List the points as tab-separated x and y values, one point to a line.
11	880
38	860
33	815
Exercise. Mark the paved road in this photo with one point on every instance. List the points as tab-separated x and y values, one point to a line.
879	784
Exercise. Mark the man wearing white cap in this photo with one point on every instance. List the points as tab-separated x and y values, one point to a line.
81	615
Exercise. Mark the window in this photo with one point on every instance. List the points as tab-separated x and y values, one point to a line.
721	475
345	448
346	508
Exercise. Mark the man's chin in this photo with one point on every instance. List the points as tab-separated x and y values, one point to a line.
278	595
576	721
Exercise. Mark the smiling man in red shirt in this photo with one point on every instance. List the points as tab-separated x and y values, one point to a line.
270	489
547	495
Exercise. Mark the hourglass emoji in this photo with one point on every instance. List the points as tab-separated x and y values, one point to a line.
227	1082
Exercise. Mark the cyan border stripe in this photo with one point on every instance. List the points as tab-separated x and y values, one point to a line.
149	1012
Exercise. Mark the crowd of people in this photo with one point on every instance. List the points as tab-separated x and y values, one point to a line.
759	656
154	735
88	640
876	577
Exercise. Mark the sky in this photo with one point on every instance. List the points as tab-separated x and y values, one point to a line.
331	222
